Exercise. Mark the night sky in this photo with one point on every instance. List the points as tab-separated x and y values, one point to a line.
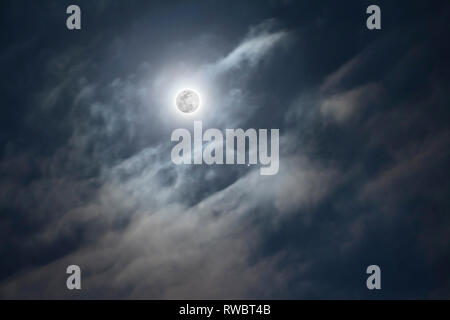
86	176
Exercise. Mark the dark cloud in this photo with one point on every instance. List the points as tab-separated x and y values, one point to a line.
85	150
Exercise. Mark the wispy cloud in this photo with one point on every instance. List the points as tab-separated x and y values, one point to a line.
258	43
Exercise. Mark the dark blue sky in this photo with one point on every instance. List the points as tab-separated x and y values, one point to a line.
86	176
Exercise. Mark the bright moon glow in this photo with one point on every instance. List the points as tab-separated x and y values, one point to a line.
188	101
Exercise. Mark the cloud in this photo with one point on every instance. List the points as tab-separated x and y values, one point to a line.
341	106
142	227
166	240
258	43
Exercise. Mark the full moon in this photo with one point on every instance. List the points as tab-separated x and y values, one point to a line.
188	101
